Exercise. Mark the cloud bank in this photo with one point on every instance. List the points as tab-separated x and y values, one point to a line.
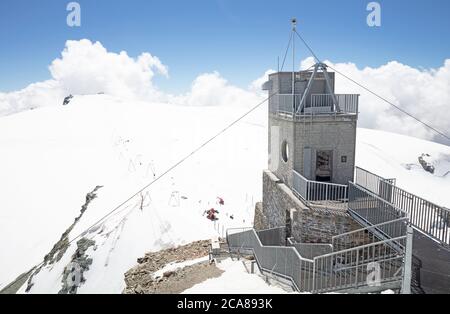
423	93
211	89
88	68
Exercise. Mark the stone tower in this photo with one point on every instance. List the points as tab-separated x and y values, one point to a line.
312	131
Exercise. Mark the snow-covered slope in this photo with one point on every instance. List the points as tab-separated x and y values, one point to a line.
397	156
52	157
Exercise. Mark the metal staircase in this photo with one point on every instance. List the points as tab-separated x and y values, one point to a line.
377	257
364	260
431	224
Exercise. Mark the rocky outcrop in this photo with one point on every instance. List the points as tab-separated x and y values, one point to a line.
73	275
67	100
175	282
427	166
60	248
140	279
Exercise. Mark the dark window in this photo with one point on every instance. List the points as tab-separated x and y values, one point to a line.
324	165
344	159
285	151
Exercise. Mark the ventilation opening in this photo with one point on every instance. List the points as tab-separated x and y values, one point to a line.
285	151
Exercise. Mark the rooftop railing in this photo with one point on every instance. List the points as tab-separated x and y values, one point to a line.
323	103
288	104
285	104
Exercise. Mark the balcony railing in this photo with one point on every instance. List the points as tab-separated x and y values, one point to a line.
288	104
285	104
323	103
313	191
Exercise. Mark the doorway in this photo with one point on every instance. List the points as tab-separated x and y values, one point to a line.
324	166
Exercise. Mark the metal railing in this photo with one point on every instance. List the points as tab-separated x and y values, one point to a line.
432	219
273	236
374	183
370	266
323	103
285	104
371	234
334	269
369	208
313	191
282	261
310	250
380	248
426	216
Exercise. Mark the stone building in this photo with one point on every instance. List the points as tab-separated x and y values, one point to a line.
312	139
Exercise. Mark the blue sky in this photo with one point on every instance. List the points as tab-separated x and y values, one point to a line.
239	38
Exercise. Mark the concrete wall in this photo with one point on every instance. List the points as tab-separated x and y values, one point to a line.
327	133
281	130
308	225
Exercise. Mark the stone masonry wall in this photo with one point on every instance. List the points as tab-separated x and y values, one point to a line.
308	225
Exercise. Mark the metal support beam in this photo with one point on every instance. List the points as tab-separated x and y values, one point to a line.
294	25
308	87
333	95
317	67
406	285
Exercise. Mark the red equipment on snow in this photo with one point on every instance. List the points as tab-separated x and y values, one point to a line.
212	214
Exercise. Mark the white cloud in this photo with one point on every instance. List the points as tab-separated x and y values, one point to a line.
88	68
211	89
423	93
34	96
256	85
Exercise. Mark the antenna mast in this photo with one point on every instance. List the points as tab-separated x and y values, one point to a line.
294	26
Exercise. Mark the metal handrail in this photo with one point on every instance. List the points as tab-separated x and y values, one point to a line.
363	246
333	275
261	268
312	191
347	103
274	246
367	172
315	268
378	197
369	228
242	243
423	214
284	104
